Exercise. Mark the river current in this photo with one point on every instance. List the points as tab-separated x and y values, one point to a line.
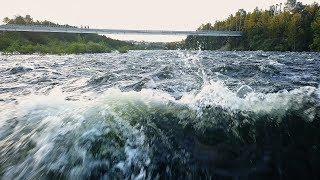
160	115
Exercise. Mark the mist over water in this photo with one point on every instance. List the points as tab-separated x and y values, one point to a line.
160	115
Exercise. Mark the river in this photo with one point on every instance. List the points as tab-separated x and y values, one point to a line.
160	115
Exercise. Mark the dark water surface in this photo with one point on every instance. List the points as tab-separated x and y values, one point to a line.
160	115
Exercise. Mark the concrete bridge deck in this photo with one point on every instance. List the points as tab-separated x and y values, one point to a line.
63	29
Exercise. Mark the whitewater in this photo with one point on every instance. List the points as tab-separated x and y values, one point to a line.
160	115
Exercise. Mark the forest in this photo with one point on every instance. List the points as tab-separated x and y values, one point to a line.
294	27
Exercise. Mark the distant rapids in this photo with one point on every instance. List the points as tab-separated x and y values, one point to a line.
160	115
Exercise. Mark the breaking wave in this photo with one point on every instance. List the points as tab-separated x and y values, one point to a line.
213	132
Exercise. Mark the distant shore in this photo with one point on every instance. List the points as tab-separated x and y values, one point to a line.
294	27
56	43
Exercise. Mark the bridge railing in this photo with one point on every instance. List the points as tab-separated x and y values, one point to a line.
61	29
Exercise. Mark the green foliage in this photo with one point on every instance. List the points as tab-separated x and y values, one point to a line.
14	47
316	29
55	43
294	30
76	48
123	49
4	43
97	48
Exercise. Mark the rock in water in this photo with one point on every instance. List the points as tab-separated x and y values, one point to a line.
19	69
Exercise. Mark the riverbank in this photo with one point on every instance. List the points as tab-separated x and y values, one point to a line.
52	43
56	43
296	27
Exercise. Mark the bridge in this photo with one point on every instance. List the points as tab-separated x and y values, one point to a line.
68	29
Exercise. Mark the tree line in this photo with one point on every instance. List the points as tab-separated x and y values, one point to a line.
296	27
56	43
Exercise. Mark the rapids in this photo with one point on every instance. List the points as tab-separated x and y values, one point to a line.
160	115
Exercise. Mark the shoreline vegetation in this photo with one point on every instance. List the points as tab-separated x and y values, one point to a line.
292	26
56	43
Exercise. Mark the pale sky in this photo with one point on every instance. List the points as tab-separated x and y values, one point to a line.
133	14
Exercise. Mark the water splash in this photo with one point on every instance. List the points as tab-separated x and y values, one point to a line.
92	129
194	61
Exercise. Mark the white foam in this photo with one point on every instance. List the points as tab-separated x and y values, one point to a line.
58	125
217	94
